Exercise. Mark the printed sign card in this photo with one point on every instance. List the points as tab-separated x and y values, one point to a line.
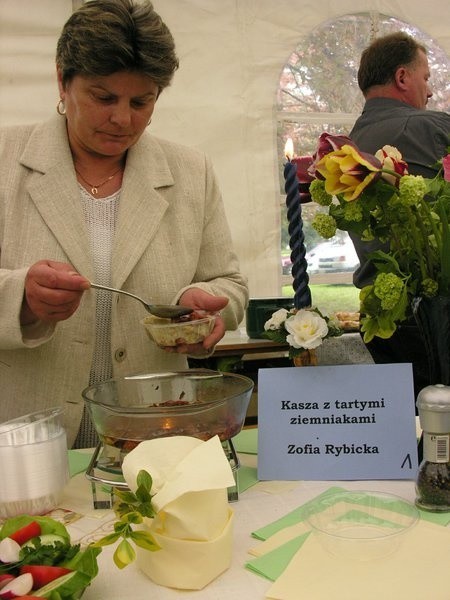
337	423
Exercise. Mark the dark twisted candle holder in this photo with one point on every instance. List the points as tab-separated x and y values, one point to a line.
302	293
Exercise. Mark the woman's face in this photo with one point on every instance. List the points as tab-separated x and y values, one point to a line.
106	115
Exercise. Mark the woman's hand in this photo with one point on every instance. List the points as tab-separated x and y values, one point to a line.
53	292
198	299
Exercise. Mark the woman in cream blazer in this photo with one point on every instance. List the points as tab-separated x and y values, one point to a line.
171	234
91	193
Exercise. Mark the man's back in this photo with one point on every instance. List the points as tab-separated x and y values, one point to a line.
394	76
422	136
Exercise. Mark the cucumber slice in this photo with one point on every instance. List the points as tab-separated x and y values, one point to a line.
71	585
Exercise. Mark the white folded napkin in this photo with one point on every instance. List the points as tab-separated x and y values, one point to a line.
193	524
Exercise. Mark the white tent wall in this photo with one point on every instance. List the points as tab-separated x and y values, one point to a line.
222	99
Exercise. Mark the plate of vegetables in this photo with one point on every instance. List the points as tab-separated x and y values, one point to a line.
38	560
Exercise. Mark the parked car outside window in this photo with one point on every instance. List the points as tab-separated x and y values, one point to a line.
332	257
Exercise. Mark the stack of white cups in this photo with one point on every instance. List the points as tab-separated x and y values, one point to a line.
33	463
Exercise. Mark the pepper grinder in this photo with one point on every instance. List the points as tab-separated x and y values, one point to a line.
433	478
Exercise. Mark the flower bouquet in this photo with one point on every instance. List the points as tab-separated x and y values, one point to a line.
374	197
304	330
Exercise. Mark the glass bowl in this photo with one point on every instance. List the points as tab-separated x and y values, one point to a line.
199	402
166	332
361	525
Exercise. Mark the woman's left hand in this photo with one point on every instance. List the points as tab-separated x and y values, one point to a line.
198	299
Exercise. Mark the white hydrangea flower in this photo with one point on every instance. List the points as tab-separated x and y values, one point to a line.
306	329
276	320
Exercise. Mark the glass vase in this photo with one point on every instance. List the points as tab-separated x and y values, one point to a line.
308	358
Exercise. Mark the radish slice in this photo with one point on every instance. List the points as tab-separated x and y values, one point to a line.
9	550
20	586
5	578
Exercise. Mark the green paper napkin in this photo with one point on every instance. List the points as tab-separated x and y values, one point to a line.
295	516
357	515
78	461
246	441
271	564
246	477
299	514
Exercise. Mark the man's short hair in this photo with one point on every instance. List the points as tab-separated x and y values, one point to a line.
380	61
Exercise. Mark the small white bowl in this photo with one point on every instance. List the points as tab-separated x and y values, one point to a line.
165	332
362	525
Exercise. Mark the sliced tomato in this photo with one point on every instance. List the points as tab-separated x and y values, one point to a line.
27	532
43	574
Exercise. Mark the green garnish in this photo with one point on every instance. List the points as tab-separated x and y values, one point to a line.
53	547
131	508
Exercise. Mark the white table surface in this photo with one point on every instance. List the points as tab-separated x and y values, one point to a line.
257	506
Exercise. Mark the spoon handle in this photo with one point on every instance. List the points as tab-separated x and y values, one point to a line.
111	289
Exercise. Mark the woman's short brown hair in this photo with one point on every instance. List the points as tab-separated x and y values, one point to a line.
106	36
380	61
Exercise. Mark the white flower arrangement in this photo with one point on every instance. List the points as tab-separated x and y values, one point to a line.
303	329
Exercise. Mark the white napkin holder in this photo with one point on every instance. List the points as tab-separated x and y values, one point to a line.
193	524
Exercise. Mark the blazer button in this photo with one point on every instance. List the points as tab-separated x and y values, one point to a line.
120	354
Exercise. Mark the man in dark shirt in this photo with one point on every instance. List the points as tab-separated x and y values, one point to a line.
393	76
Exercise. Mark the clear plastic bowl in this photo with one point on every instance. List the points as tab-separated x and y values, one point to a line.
361	525
199	402
164	332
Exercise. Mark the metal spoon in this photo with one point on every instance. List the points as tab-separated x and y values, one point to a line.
166	311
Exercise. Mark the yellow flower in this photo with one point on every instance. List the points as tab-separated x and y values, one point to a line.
348	171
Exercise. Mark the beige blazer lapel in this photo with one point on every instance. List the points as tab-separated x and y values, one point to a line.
55	193
141	205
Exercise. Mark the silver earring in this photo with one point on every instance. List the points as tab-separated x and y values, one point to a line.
60	107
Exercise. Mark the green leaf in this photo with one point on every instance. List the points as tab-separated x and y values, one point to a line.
124	554
131	510
276	335
106	540
125	496
48	525
143	495
147	510
145	540
144	480
132	517
85	561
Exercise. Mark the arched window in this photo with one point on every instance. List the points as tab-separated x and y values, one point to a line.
318	91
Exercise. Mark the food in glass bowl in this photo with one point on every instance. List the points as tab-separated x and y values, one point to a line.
188	329
198	402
